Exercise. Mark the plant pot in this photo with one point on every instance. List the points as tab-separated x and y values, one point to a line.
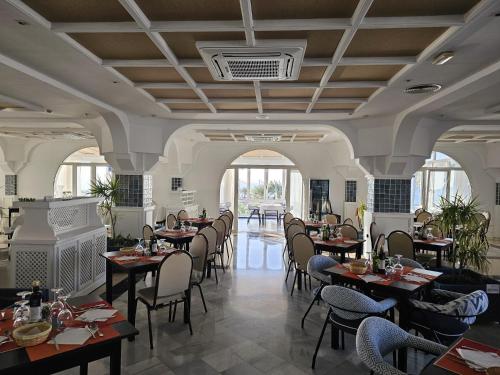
468	282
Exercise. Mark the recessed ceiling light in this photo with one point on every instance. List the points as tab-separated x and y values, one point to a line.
262	117
443	58
422	89
48	110
116	81
22	22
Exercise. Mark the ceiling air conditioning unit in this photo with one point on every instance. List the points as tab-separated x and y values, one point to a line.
269	60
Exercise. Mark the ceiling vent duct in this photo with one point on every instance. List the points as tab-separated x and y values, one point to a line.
269	60
263	137
422	89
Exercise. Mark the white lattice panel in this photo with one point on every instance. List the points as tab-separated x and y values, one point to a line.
31	265
99	248
86	264
67	268
63	219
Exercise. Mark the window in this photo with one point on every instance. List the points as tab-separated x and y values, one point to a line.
78	171
441	176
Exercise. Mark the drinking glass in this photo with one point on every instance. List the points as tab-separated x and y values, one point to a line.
338	233
368	261
389	268
65	314
139	248
398	267
21	314
429	235
57	305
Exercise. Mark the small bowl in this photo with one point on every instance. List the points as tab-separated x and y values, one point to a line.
127	250
32	334
358	268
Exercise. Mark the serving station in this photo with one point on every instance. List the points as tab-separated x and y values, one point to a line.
58	242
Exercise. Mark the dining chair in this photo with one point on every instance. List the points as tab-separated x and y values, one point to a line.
374	233
199	251
298	221
315	265
348	231
349	221
227	221
377	337
161	217
303	250
231	216
399	242
418	210
445	316
379	244
147	232
287	217
424	217
407	262
210	234
182	215
220	227
347	309
173	285
171	221
434	227
331	219
291	231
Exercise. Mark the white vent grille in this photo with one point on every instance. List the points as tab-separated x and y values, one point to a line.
269	61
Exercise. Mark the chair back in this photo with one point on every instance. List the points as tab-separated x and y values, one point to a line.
467	307
291	231
418	210
286	219
227	221
348	231
374	233
174	274
220	227
424	217
161	214
349	221
303	250
210	234
147	232
399	242
182	215
380	244
350	304
331	219
318	263
171	220
199	251
297	221
407	262
231	216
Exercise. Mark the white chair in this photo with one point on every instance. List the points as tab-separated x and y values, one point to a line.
303	250
182	215
231	216
331	219
291	231
173	285
220	227
171	220
210	234
227	220
199	251
161	217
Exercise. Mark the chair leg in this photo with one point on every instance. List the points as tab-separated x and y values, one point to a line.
175	311
289	268
294	279
150	329
170	311
187	306
320	340
215	271
202	297
343	340
316	298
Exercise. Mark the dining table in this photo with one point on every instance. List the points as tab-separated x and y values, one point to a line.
313	226
340	246
48	358
401	285
437	245
177	237
484	338
200	222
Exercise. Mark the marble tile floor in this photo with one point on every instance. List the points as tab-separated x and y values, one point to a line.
252	326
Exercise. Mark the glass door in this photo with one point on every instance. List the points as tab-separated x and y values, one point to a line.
438	186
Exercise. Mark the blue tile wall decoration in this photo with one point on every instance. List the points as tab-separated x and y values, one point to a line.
10	184
389	195
350	191
135	190
176	183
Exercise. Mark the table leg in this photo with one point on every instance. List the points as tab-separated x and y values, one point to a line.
403	323
187	246
438	258
209	270
109	282
116	359
342	257
84	369
131	305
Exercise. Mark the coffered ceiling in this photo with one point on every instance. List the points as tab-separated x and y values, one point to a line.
354	48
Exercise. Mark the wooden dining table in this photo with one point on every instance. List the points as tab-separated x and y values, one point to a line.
339	246
395	286
439	246
312	226
45	358
200	222
177	237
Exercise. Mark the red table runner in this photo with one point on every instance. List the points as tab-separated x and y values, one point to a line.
449	362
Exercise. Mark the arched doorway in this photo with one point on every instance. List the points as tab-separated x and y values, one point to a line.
440	176
260	185
78	170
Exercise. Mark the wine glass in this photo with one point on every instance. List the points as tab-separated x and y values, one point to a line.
338	233
139	248
389	268
368	261
398	267
21	314
429	235
57	305
65	314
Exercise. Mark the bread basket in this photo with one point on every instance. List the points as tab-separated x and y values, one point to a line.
32	334
358	267
127	250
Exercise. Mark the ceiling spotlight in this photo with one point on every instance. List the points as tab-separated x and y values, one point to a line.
22	22
443	58
48	110
262	117
422	89
116	81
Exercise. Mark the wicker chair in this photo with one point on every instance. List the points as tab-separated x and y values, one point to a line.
199	251
171	221
220	227
210	234
182	215
291	231
303	250
331	219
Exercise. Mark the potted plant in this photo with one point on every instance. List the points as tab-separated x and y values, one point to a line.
468	253
360	214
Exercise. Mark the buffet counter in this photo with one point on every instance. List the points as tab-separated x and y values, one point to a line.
58	242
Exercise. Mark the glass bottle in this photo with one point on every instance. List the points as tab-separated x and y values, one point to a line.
35	302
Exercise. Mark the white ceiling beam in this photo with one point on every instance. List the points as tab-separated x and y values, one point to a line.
95	27
258	96
354	84
196	26
411	22
22	7
357	18
229	86
178	101
137	14
390	60
263	85
162	85
20	103
152	63
302	24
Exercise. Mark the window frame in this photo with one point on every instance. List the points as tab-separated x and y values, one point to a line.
74	172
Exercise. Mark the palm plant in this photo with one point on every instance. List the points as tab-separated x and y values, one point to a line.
107	189
458	218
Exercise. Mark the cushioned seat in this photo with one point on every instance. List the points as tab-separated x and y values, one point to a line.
148	295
